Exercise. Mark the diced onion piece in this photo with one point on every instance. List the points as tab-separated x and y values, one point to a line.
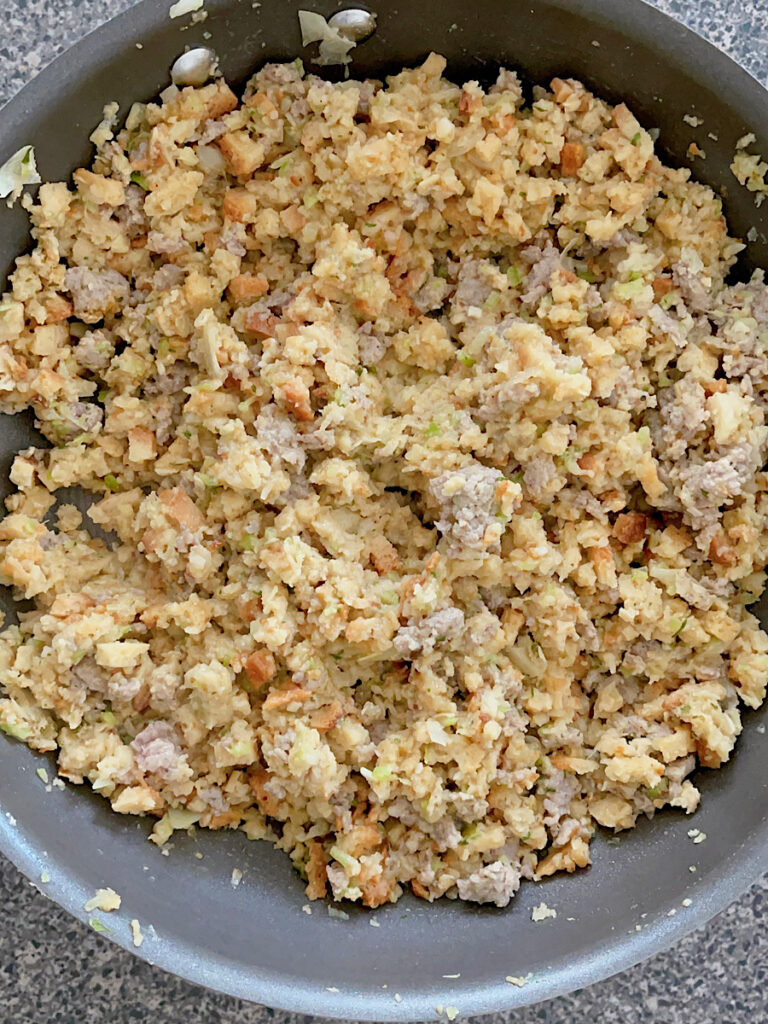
182	7
18	171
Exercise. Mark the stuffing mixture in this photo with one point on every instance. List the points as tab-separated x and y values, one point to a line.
426	444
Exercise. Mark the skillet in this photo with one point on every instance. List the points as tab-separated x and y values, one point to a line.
254	941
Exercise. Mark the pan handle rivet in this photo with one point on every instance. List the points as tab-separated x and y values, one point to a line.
194	67
355	24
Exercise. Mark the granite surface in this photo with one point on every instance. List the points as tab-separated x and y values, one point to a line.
55	970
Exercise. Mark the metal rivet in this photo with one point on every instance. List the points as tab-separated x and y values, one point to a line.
194	67
354	24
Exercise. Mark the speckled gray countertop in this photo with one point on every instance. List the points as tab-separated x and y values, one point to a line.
53	969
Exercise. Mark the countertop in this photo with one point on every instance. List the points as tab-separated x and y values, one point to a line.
54	969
